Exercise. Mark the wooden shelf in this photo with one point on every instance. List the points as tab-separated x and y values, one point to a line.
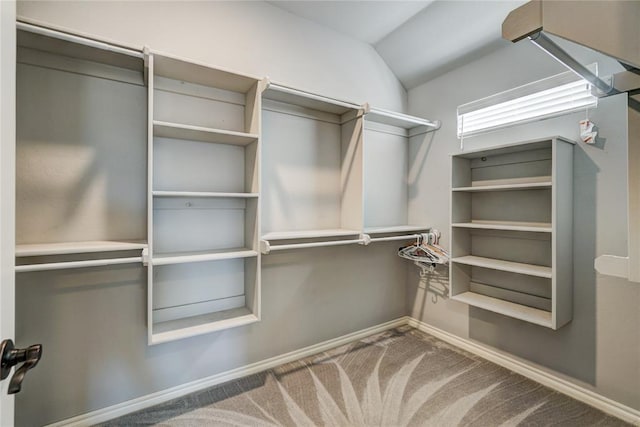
513	267
203	324
44	249
198	133
507	226
518	311
200	256
395	229
309	234
506	187
160	193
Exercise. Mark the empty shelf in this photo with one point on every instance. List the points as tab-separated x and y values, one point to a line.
506	187
204	194
200	256
197	133
44	249
540	227
309	234
497	264
198	325
398	119
395	229
522	312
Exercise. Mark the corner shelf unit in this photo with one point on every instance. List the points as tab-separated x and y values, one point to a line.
203	199
79	188
511	230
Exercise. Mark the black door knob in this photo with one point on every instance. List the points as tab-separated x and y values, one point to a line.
11	356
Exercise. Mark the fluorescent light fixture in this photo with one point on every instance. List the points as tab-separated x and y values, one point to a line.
551	97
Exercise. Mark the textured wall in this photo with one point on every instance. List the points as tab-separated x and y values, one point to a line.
600	348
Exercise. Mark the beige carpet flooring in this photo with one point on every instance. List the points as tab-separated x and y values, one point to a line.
401	377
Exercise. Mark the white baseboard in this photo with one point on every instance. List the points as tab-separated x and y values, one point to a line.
554	382
545	378
111	412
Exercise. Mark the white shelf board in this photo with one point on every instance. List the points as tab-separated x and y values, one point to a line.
44	249
203	324
309	234
506	187
304	99
160	193
193	72
518	311
513	267
400	120
540	227
198	133
395	229
200	256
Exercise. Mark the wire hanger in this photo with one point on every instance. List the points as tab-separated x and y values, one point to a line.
426	252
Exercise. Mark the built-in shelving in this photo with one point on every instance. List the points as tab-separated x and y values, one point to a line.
390	143
198	194
511	230
507	187
84	209
518	311
508	226
46	249
498	264
309	234
203	197
313	166
199	133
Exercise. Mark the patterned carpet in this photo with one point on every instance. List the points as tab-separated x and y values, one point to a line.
401	377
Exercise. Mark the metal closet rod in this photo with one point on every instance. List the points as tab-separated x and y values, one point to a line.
36	29
560	55
364	240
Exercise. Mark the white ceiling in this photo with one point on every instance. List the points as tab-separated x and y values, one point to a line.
418	40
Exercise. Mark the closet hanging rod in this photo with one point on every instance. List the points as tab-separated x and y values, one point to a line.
312	96
392	238
36	29
266	248
76	264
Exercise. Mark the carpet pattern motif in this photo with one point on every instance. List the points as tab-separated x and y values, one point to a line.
400	377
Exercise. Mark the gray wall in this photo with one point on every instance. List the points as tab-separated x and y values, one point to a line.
600	348
92	321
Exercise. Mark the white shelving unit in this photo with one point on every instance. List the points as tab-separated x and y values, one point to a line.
511	230
80	191
387	154
204	199
313	167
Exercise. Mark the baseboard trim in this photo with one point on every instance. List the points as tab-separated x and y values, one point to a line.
111	412
556	383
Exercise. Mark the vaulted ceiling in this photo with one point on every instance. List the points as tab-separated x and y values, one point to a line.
418	40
